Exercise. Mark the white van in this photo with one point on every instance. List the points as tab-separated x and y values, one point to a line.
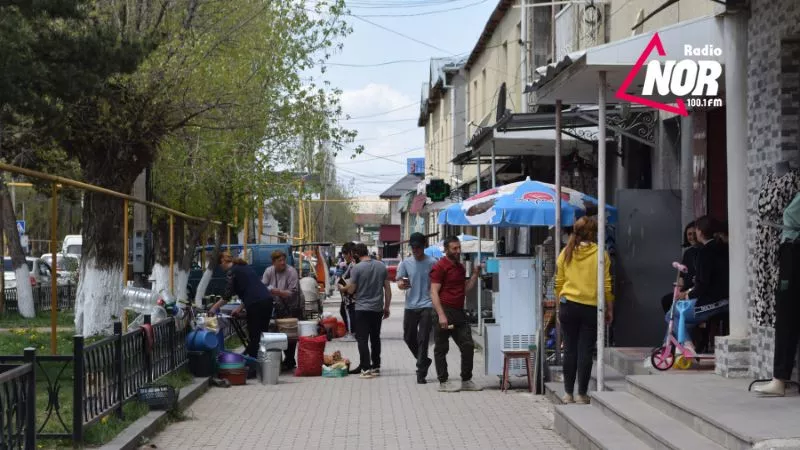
72	244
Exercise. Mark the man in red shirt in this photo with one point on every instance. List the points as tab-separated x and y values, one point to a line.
449	285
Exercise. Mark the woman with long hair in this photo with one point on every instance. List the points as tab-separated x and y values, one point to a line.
691	247
256	299
576	289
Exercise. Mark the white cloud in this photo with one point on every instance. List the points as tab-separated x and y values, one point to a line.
375	99
383	134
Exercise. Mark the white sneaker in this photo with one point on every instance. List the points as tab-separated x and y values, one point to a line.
376	372
448	386
366	374
775	388
470	386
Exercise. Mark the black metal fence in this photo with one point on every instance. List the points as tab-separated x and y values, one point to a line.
103	376
17	404
41	297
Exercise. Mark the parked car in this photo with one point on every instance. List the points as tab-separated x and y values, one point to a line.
391	267
39	272
67	265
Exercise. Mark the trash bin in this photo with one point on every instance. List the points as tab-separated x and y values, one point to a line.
269	354
271	367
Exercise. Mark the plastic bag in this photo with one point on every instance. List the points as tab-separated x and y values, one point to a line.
310	356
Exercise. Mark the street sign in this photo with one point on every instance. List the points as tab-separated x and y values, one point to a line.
21	227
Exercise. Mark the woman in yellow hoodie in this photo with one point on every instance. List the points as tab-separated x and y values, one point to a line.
576	287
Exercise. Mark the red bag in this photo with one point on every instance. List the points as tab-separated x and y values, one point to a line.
310	356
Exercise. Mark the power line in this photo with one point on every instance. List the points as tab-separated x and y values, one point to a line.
428	13
397	5
385	112
401	34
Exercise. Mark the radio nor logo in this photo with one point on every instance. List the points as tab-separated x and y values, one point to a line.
693	81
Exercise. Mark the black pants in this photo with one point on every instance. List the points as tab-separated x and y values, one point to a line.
787	313
348	313
417	327
579	329
368	334
258	317
462	336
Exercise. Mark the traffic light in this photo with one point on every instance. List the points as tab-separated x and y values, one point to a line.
437	190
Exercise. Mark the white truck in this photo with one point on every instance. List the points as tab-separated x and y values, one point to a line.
72	244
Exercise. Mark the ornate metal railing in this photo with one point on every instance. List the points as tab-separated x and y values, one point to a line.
103	376
18	403
41	297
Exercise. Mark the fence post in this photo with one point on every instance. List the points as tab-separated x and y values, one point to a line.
120	365
173	358
148	354
77	390
30	400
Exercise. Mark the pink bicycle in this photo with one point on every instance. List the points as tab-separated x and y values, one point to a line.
663	358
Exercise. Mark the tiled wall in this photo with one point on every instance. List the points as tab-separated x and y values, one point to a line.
774	100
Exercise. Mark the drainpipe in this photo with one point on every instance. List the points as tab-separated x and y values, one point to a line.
735	51
601	232
523	54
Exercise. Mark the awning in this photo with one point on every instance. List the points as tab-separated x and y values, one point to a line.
438	206
418	203
573	80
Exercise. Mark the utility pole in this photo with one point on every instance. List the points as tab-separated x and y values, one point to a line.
324	194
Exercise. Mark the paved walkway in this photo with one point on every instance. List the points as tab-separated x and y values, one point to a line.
388	412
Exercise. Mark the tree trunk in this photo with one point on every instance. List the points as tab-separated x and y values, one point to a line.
213	262
160	273
21	271
98	301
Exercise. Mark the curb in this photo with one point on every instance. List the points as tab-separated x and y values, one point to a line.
149	424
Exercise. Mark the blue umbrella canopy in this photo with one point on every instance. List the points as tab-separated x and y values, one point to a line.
525	203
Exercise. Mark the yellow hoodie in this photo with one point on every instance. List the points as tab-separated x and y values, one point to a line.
577	280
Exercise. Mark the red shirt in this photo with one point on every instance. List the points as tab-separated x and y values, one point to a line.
452	276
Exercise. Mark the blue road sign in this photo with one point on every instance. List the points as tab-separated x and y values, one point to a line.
21	226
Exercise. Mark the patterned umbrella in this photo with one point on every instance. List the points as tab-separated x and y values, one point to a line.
522	204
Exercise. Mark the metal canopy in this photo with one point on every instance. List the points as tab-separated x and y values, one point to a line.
573	80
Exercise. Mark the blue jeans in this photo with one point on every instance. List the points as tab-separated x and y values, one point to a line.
697	314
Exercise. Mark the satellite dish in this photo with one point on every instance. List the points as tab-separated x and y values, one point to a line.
501	102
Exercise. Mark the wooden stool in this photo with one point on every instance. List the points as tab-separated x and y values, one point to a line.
510	354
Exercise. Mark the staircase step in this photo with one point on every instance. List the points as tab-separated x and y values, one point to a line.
628	360
653	427
587	428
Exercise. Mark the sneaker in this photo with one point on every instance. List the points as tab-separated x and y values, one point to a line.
376	371
567	399
582	399
355	371
421	379
470	386
448	386
366	374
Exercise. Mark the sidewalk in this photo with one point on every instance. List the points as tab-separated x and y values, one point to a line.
390	411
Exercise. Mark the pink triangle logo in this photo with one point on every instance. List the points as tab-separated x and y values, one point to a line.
655	43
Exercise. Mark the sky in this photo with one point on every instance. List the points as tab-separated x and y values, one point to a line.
383	99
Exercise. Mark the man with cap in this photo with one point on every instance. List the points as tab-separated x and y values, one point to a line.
413	276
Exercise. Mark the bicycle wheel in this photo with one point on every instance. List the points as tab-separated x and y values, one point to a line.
661	360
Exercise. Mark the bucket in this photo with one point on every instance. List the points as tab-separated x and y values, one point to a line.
271	367
307	327
237	377
200	340
201	364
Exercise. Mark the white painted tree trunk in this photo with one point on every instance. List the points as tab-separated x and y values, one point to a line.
98	300
181	282
160	277
202	286
24	292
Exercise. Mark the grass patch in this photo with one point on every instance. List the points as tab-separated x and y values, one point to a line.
16	340
42	320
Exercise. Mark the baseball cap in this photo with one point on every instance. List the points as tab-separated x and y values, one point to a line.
417	240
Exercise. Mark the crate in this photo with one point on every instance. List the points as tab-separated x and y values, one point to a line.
159	396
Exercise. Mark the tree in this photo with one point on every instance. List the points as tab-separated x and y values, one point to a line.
48	58
206	74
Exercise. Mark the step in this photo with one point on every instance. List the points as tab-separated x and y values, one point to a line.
628	360
653	427
554	390
722	410
587	428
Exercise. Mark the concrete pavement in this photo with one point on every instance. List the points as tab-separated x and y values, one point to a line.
390	411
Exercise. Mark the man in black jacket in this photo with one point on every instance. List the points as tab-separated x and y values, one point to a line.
709	295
